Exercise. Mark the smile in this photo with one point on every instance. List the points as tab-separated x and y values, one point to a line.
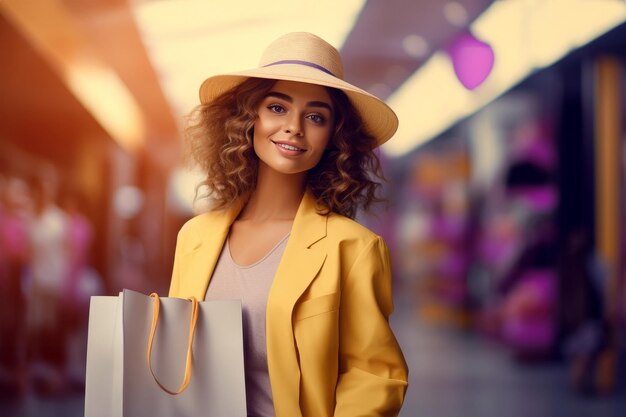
288	147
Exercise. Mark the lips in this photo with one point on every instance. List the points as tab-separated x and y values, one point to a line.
288	147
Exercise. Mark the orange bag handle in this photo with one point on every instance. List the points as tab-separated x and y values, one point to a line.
192	329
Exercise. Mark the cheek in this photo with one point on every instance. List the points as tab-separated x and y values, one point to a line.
259	133
265	126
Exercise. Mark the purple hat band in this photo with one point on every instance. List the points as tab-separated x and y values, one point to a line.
306	63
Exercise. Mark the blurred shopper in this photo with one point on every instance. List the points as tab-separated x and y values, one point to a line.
48	271
15	209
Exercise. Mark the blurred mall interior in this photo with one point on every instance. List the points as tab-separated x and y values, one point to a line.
507	183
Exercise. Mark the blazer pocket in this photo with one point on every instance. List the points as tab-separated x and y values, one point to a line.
315	306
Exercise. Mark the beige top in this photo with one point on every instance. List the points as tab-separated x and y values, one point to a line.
250	284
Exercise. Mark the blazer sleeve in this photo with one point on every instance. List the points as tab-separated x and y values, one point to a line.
372	371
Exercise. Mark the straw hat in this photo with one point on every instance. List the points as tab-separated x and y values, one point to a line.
304	57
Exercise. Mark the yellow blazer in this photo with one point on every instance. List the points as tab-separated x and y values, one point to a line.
330	349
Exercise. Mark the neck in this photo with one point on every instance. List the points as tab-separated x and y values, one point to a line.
277	196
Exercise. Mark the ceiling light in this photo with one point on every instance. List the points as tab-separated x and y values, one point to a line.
190	40
54	32
106	97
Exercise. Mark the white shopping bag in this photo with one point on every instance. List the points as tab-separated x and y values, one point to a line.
120	381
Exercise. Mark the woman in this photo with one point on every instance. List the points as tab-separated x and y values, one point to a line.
286	149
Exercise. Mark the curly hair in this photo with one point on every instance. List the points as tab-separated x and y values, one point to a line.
219	140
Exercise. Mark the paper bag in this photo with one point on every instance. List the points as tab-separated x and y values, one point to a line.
124	379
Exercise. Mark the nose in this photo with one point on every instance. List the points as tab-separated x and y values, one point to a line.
293	125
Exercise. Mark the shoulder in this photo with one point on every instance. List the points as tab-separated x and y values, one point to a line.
195	223
351	236
198	222
196	228
345	227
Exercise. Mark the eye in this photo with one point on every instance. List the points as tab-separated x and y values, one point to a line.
316	118
276	108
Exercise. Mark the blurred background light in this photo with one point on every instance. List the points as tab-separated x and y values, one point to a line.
455	13
181	192
415	46
128	201
472	60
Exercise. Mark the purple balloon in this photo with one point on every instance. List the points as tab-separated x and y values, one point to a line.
472	60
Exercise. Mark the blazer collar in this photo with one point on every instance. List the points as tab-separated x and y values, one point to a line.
308	228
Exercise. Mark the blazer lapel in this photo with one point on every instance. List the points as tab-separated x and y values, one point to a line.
303	255
300	263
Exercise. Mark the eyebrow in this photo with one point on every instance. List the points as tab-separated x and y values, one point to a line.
290	100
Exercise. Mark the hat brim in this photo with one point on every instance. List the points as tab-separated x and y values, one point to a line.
379	120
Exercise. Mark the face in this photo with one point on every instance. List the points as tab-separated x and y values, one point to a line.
293	127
